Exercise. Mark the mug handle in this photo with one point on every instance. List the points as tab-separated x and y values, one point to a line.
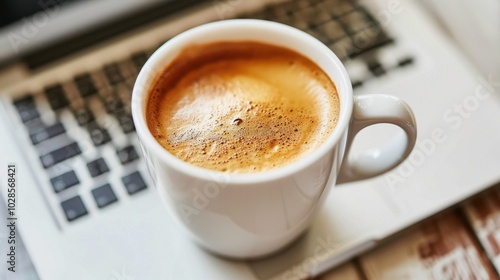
374	109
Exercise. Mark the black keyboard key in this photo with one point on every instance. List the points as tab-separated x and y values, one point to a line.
332	30
74	208
26	108
127	154
376	68
83	115
56	97
134	182
28	114
138	59
126	122
61	154
45	133
85	85
405	61
104	196
113	104
355	21
356	84
98	134
97	167
64	181
113	74
26	100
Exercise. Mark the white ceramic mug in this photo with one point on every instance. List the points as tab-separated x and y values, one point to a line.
251	215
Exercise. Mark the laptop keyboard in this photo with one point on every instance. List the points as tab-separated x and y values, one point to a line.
69	123
88	101
345	26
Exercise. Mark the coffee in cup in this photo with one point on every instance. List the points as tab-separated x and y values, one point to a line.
242	106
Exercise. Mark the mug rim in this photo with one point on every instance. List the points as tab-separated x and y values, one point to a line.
142	87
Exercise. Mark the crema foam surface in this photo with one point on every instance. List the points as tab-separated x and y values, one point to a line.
242	107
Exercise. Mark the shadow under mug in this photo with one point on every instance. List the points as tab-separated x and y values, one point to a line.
252	215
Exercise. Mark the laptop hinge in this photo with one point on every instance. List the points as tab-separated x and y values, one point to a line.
80	41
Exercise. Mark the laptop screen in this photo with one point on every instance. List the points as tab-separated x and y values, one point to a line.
15	10
31	27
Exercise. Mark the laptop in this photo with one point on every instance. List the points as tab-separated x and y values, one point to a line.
85	206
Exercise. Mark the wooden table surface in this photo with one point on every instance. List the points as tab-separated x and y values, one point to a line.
460	243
